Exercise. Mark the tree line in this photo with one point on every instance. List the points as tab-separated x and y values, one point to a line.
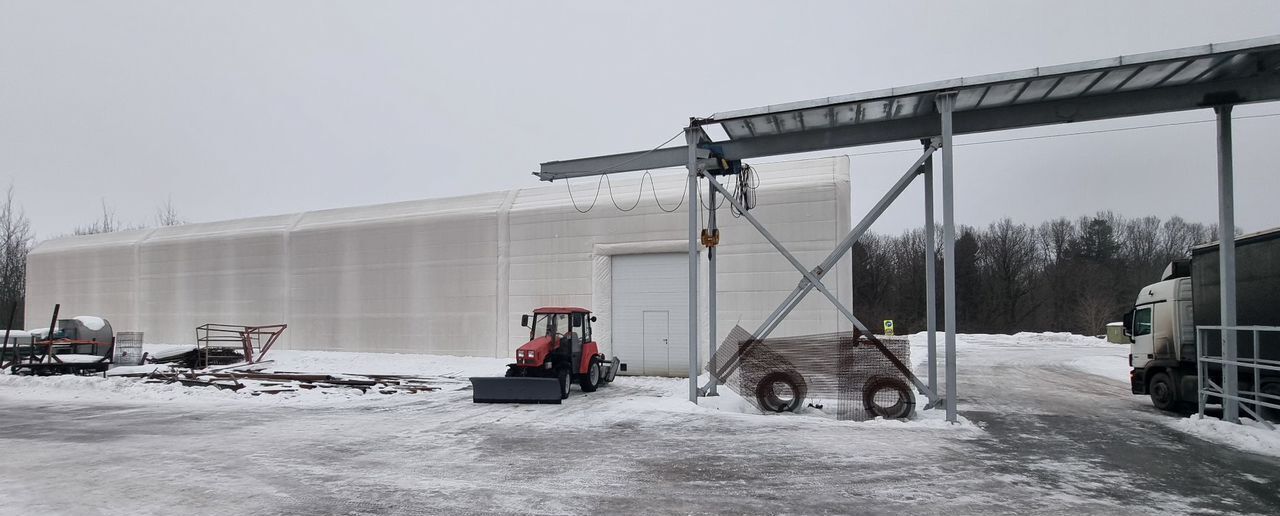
1062	275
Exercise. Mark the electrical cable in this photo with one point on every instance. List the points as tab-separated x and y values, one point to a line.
569	187
639	194
652	188
684	192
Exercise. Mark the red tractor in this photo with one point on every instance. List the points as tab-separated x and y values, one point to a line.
560	351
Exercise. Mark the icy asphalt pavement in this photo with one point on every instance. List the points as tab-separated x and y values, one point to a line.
1053	440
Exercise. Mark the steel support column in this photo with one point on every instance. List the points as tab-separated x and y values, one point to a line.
711	283
946	102
930	290
1227	265
691	136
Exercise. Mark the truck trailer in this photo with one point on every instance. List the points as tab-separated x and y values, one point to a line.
1163	322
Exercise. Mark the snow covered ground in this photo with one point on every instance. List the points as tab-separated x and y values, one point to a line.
1050	428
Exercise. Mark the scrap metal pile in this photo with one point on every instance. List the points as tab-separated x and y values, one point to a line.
277	382
784	374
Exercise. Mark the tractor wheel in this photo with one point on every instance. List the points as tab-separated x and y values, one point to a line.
513	371
1163	394
565	381
591	381
879	388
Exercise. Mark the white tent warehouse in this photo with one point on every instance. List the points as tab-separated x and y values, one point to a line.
452	276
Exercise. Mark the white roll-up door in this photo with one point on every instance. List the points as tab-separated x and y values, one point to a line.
650	323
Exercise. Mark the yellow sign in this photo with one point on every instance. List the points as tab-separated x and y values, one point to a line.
888	327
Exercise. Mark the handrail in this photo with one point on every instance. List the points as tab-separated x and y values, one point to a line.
1206	387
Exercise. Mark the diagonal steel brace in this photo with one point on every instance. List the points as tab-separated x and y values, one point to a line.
812	278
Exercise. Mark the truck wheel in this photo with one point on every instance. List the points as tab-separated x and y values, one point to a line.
564	383
885	388
1163	394
591	381
792	387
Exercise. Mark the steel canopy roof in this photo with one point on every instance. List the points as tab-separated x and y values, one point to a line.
1173	80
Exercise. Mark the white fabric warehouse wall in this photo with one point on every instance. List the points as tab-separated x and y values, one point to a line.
432	276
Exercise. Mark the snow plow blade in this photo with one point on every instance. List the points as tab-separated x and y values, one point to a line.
515	390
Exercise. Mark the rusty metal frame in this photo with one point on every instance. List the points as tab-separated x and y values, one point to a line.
248	337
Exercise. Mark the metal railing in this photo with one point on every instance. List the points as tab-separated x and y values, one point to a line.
1228	391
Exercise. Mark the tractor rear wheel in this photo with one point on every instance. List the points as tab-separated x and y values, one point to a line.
565	381
591	381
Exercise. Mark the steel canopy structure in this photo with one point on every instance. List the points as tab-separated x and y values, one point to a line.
1215	76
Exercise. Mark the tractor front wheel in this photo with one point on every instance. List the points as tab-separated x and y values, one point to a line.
565	381
591	381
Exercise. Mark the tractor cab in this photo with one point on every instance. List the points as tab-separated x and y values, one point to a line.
556	335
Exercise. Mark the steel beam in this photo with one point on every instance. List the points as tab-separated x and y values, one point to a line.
1227	265
793	299
691	140
946	102
626	162
930	275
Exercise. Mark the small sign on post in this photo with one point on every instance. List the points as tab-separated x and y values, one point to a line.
888	327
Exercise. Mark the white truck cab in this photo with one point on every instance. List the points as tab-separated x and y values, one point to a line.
1164	342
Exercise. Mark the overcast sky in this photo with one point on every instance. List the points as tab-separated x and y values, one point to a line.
236	109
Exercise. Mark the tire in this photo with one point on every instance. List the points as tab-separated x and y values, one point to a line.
513	371
878	384
591	381
767	396
565	382
1164	395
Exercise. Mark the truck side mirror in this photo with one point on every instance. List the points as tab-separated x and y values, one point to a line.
524	321
1128	325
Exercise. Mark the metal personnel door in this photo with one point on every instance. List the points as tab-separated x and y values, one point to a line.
656	339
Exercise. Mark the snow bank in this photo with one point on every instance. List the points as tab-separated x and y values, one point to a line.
342	362
1250	436
450	373
671	395
1089	354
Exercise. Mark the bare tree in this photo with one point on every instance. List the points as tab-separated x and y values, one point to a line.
1009	253
107	223
167	215
1094	309
15	244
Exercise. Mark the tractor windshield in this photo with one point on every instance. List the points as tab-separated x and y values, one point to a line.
541	326
548	324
